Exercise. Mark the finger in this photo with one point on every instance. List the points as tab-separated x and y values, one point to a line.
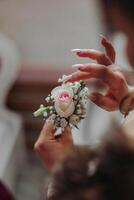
104	102
66	140
100	72
47	132
100	57
46	136
77	76
66	136
110	51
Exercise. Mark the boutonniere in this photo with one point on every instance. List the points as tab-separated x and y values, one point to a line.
68	105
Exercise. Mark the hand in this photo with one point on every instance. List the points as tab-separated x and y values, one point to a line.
104	70
52	149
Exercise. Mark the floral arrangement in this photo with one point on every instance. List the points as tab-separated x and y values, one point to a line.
68	105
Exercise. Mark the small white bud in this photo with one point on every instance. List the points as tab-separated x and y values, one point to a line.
79	111
78	106
75	97
47	99
41	106
59	80
51	107
45	114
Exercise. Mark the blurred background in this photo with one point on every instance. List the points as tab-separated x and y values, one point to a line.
36	38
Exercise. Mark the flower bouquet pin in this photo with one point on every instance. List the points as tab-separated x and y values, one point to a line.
68	105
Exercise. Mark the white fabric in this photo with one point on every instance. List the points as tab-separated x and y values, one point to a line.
11	140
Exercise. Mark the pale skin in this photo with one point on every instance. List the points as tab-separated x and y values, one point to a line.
105	70
50	149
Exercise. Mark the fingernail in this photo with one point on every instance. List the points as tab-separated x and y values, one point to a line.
92	97
76	50
102	36
67	78
77	65
103	39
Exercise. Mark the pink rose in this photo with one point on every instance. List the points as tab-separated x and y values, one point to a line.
64	105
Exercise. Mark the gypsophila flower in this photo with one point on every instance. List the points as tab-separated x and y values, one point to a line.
59	80
75	87
75	97
45	114
74	119
62	79
78	105
79	111
63	122
47	99
57	123
84	93
77	84
51	120
58	119
53	116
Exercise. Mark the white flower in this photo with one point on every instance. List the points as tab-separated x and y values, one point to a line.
47	99
45	114
63	97
59	80
76	86
84	93
53	116
62	78
75	97
74	119
78	106
79	111
58	119
63	122
41	106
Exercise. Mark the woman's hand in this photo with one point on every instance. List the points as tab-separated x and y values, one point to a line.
52	149
105	70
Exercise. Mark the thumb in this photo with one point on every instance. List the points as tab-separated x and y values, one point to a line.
48	130
105	102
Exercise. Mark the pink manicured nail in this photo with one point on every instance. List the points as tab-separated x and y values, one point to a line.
67	78
77	65
102	36
76	50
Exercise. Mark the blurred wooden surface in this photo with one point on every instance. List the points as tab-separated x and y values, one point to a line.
28	92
